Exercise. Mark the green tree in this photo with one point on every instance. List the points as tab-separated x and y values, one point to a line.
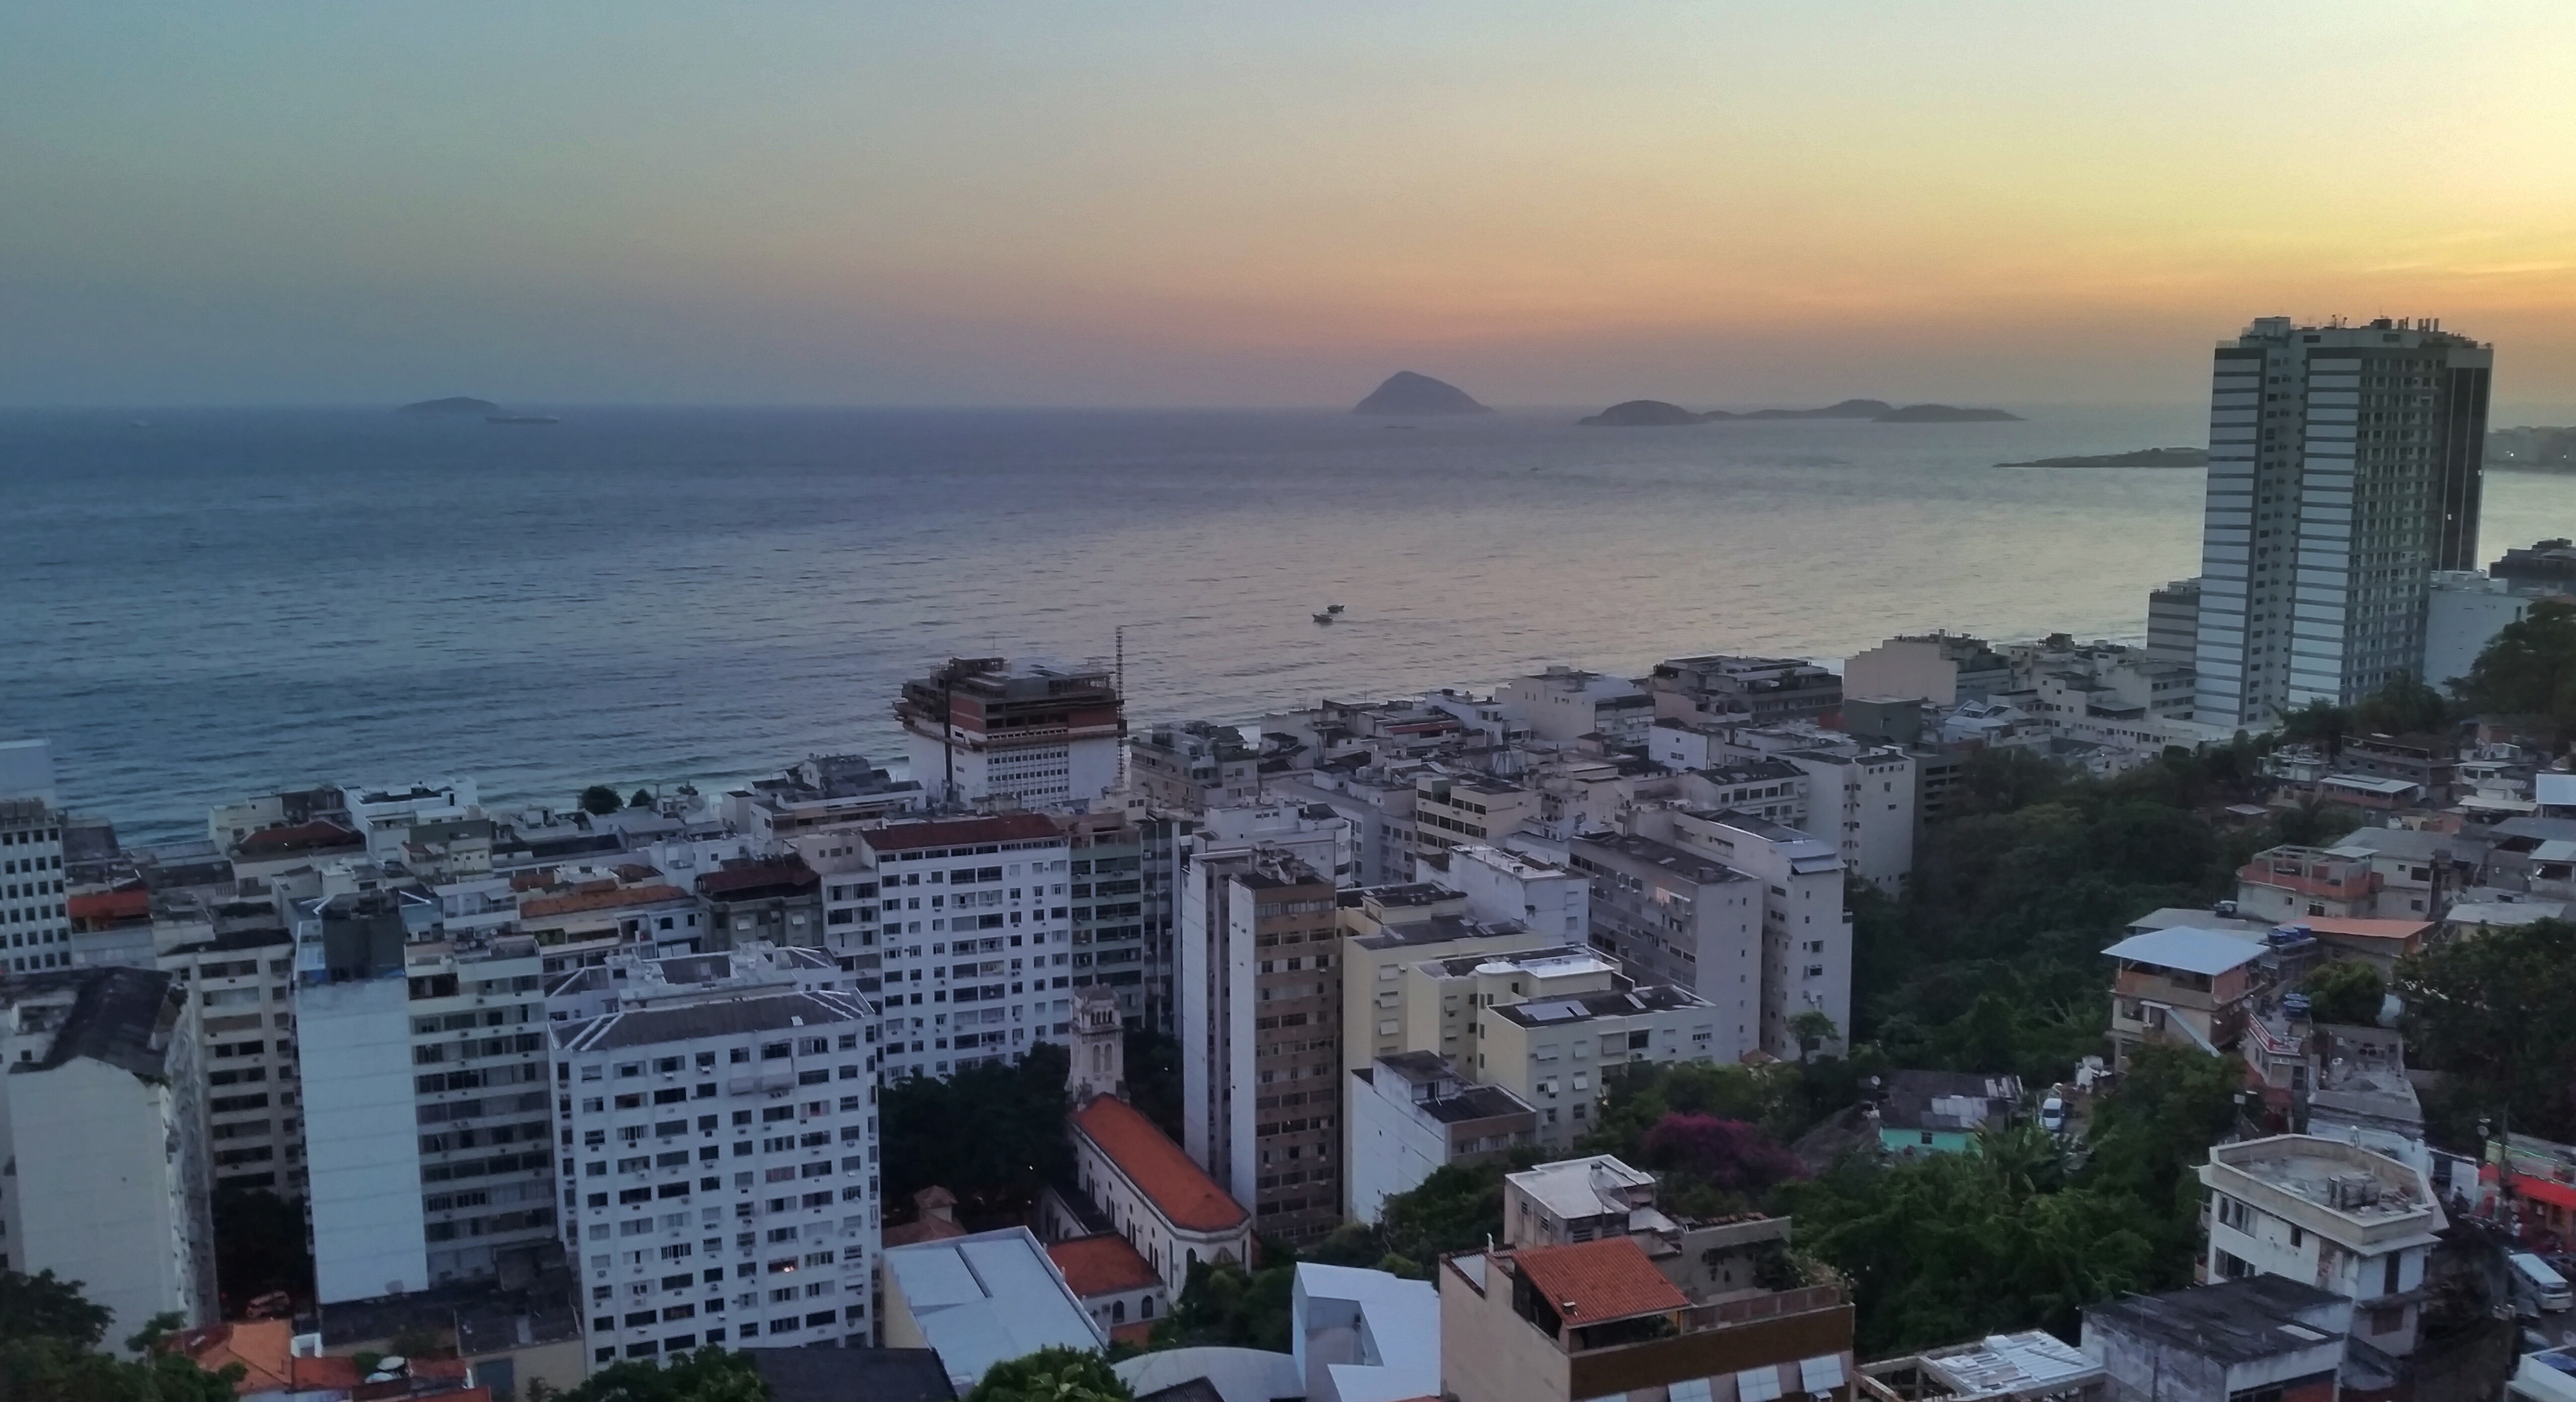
641	798
49	1335
1230	1306
599	800
2320	723
708	1375
2406	706
2347	991
1052	1375
993	1133
1153	1065
2497	1010
2528	669
1951	1246
44	1305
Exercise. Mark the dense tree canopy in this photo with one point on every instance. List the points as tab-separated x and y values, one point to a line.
1052	1375
599	799
2405	706
707	1375
49	1337
2528	669
2347	991
993	1134
2497	1010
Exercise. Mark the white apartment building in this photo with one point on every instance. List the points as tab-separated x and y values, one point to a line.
429	1130
1550	1052
2331	1214
1864	797
33	915
1413	1114
2464	610
386	814
1459	810
721	1110
1682	917
975	931
2345	466
1506	886
100	1127
1563	704
986	728
1806	933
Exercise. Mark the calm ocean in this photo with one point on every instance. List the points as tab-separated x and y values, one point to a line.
211	603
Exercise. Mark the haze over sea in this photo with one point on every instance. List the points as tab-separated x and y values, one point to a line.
211	603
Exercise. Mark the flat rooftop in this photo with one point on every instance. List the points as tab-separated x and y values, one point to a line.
1689	866
2238	1321
1588	1007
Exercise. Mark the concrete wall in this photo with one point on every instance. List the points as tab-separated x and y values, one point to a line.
101	1160
1391	1149
1488	1353
362	1139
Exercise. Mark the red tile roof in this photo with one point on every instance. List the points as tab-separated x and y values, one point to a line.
314	836
962	832
752	876
1101	1265
1178	1188
598	900
2364	929
101	906
924	1229
1592	1281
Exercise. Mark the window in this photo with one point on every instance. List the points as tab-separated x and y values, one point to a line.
2234	1214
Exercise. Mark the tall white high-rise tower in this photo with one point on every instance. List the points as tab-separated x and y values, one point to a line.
2344	468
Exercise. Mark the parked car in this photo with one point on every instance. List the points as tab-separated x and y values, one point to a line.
2052	1114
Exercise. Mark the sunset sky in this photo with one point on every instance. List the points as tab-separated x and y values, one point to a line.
1275	204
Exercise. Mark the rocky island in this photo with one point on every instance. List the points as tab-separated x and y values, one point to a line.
1655	413
2140	457
1408	395
1946	414
1642	413
457	405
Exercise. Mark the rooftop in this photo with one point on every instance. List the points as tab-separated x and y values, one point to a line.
1102	1265
1180	1189
1437	929
1588	1282
962	832
2189	950
852	1374
540	906
118	1016
765	1011
2346	1180
1689	866
1592	1187
1556	1012
2239	1321
985	1298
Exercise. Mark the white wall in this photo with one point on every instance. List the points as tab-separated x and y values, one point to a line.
362	1138
102	1193
1903	667
2463	615
1391	1150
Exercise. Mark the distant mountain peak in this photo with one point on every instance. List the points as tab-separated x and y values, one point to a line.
1408	395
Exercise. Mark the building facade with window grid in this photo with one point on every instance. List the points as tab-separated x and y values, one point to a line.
720	1142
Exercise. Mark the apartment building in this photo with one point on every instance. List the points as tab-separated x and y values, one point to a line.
32	899
1395	940
101	1129
2345	465
1461	810
1194	766
1502	885
1563	704
1806	932
1683	918
1593	1319
1868	798
987	728
2173	621
1754	690
240	991
1942	668
821	793
2335	1215
2182	985
1413	1114
1110	948
1260	1008
1377	802
721	1109
428	1125
975	925
1551	1051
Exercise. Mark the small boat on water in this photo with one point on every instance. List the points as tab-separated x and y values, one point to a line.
1323	618
519	419
1332	608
